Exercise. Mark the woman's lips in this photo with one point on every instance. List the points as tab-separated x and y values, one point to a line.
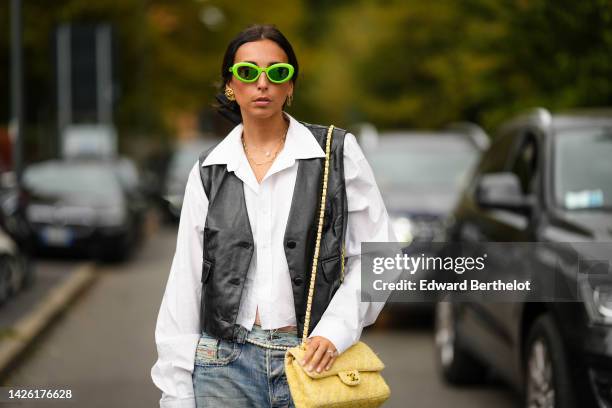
262	101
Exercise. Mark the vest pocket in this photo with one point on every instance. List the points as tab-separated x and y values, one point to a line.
206	270
331	268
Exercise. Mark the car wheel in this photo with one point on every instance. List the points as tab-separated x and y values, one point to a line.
547	379
16	275
27	264
455	364
116	253
4	281
124	252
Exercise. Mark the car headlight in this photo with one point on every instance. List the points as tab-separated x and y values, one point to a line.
602	299
598	301
403	228
112	216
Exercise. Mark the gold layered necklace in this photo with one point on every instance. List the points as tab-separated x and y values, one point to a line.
267	153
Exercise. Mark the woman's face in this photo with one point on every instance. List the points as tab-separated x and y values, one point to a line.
262	53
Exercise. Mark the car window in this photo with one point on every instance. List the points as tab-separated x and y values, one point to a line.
582	170
495	159
54	178
441	164
127	173
524	164
182	161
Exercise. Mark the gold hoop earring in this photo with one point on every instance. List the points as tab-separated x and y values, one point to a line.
289	100
229	93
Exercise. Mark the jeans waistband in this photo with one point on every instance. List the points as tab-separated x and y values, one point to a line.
272	336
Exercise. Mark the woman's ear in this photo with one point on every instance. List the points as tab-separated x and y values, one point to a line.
289	98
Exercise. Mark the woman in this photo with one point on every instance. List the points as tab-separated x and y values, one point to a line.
238	282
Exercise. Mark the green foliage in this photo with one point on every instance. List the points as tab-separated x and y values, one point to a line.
396	63
423	64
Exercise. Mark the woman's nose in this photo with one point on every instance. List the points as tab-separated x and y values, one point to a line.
262	81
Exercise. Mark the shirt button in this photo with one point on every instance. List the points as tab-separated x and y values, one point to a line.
297	280
291	244
235	281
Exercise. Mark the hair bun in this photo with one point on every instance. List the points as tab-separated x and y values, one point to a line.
228	109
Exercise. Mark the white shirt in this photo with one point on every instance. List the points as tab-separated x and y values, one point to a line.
268	283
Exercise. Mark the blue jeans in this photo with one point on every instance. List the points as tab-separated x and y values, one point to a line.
240	374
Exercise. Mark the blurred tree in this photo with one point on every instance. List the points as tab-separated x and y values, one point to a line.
555	54
396	63
4	63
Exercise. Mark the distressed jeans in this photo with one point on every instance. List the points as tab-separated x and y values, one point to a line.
240	374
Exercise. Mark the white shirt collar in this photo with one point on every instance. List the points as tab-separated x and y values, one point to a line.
299	144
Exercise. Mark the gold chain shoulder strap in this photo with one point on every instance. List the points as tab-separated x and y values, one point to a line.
316	252
315	260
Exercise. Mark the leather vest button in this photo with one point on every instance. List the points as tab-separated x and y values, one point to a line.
235	281
244	244
297	280
291	244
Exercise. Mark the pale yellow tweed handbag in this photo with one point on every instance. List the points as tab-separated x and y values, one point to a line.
354	380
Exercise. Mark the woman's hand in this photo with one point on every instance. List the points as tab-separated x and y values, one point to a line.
320	354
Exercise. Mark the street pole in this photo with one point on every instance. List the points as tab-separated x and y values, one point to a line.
16	126
104	80
64	83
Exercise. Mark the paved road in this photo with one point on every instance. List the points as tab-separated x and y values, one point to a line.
49	274
103	348
411	374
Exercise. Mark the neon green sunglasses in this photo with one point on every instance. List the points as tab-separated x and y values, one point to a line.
248	72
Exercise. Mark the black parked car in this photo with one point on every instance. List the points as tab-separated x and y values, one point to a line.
17	270
548	179
421	174
82	207
181	161
133	185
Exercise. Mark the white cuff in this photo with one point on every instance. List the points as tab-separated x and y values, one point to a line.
188	402
336	331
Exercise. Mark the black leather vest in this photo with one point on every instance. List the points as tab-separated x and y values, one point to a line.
229	245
